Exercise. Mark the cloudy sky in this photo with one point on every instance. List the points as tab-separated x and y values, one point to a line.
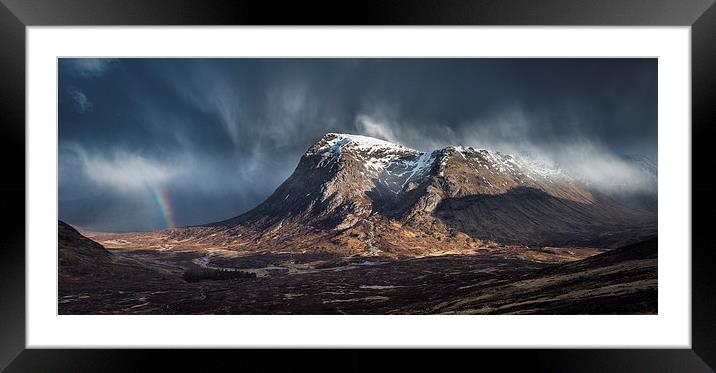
150	143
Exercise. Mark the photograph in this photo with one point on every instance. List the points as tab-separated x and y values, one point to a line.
357	186
190	182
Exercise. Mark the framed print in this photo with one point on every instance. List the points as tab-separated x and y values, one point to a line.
484	176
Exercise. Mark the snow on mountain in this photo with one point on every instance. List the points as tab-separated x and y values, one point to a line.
335	141
376	154
396	165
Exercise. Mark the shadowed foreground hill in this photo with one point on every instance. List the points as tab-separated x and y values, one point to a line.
620	281
79	257
87	269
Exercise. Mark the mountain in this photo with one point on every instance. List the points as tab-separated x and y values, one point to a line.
359	195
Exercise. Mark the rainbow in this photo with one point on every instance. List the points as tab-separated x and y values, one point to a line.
164	206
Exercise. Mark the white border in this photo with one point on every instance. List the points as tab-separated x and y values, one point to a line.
670	328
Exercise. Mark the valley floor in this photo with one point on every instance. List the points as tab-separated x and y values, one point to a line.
141	281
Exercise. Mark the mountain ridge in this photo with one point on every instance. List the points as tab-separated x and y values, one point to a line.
364	196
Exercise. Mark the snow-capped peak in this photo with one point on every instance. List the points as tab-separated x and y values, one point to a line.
376	154
362	143
402	164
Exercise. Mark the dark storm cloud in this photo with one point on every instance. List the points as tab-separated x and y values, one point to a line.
216	136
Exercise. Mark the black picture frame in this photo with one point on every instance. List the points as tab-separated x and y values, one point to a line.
16	15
